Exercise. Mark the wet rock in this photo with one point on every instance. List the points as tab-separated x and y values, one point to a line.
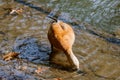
30	50
16	75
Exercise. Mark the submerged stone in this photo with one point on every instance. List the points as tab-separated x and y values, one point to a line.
30	50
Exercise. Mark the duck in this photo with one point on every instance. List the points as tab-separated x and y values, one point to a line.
62	37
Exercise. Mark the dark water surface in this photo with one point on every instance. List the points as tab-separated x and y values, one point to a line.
97	46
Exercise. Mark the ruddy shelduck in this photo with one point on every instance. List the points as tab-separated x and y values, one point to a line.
61	37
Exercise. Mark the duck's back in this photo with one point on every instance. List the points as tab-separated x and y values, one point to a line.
61	35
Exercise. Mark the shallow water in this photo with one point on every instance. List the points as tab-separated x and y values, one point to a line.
96	46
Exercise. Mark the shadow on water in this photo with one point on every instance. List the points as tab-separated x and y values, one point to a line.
32	6
35	7
111	40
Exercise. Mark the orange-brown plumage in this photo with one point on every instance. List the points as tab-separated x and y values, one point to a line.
62	37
